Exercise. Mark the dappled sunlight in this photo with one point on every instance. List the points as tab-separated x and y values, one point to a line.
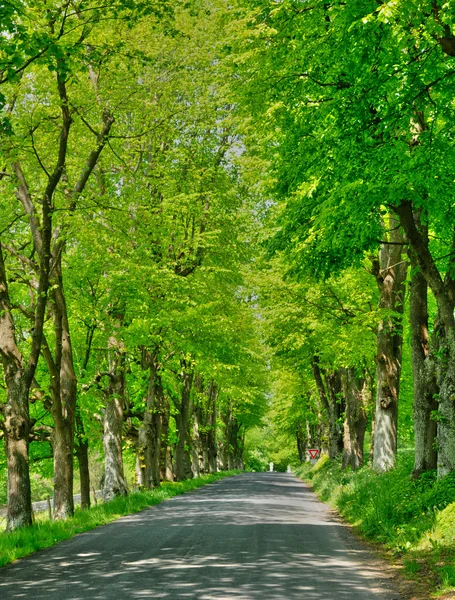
250	537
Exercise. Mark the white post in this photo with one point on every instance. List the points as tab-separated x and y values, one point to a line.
271	466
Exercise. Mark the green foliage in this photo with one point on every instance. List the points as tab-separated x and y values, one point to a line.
413	518
391	507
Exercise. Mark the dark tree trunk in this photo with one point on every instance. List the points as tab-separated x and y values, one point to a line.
444	293
198	422
390	272
196	447
114	478
301	436
17	429
182	451
424	375
205	448
210	445
82	459
64	389
166	469
151	427
336	407
232	449
329	396
356	395
18	375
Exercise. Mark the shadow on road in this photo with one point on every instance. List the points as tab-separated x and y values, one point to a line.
258	536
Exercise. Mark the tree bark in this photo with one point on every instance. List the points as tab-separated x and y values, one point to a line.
182	452
64	390
390	274
19	376
329	397
82	458
114	478
209	436
356	393
151	427
336	406
444	293
204	435
166	469
301	435
425	386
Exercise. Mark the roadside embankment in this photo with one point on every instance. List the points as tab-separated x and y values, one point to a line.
413	520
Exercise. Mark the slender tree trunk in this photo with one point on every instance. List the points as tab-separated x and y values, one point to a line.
328	395
301	435
114	478
210	439
182	456
334	392
198	425
225	448
356	392
444	293
204	436
232	450
425	386
196	447
64	400
82	459
166	470
151	427
391	276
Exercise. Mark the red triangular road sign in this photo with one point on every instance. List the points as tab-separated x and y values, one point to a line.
314	453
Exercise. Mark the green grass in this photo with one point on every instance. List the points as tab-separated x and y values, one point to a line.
412	519
45	533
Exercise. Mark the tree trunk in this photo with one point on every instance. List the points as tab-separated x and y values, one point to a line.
425	386
114	478
356	392
210	434
151	427
196	447
82	459
444	293
182	456
166	470
390	274
333	386
330	403
64	390
17	428
232	450
302	441
19	376
205	416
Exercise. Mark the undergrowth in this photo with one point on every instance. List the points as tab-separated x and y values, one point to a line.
414	519
45	533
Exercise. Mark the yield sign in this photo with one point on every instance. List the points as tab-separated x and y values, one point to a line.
314	453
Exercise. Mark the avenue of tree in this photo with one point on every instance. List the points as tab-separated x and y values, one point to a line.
215	216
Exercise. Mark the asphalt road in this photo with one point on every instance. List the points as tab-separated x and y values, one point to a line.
256	536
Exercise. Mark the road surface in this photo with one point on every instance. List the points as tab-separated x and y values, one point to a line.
256	536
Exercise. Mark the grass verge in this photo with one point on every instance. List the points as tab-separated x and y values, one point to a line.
413	520
45	534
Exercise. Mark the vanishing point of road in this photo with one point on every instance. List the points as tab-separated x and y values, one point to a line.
256	536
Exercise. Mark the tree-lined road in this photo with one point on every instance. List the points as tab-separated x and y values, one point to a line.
255	536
